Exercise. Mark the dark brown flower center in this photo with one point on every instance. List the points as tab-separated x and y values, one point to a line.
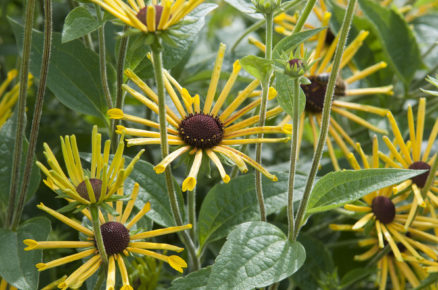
201	131
420	180
142	14
295	63
96	184
315	91
383	209
115	237
329	37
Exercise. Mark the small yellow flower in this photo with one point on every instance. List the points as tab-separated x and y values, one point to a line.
120	239
315	93
203	131
412	155
104	178
8	99
149	18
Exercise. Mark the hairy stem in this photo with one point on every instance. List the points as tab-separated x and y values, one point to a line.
158	71
265	90
191	206
18	146
293	158
304	15
94	210
328	98
37	111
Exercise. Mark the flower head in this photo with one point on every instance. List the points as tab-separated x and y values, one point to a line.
412	155
203	131
98	184
8	99
149	18
381	216
120	239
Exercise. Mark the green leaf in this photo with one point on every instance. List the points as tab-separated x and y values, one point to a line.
256	254
7	143
246	7
338	188
172	54
78	23
153	189
291	42
355	275
258	67
18	266
285	87
74	76
398	41
227	205
194	281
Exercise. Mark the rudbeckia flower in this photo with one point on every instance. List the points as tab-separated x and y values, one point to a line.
412	155
203	131
84	187
315	93
120	238
149	18
384	214
8	99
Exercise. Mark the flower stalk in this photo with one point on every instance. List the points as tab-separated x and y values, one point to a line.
94	210
158	72
37	111
304	15
18	146
265	90
328	98
293	158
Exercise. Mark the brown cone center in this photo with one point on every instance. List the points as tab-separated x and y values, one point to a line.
142	14
201	131
384	209
315	91
115	237
96	184
420	180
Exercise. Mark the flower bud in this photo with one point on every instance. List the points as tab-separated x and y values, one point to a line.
266	6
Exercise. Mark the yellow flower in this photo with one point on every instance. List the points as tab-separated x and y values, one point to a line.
384	214
5	286
412	155
8	99
203	131
120	239
149	18
104	178
315	92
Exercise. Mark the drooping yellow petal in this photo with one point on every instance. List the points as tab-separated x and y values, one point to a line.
65	260
214	79
190	182
225	177
160	232
155	246
34	245
160	167
139	215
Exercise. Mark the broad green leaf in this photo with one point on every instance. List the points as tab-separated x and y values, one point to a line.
172	54
78	23
153	189
355	275
227	205
398	41
74	76
246	7
338	188
256	254
7	143
285	87
258	67
291	42
18	266
194	281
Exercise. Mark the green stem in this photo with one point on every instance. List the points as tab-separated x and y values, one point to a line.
37	111
94	210
158	72
265	90
119	93
287	5
328	98
293	158
100	279
191	205
18	146
102	64
304	15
